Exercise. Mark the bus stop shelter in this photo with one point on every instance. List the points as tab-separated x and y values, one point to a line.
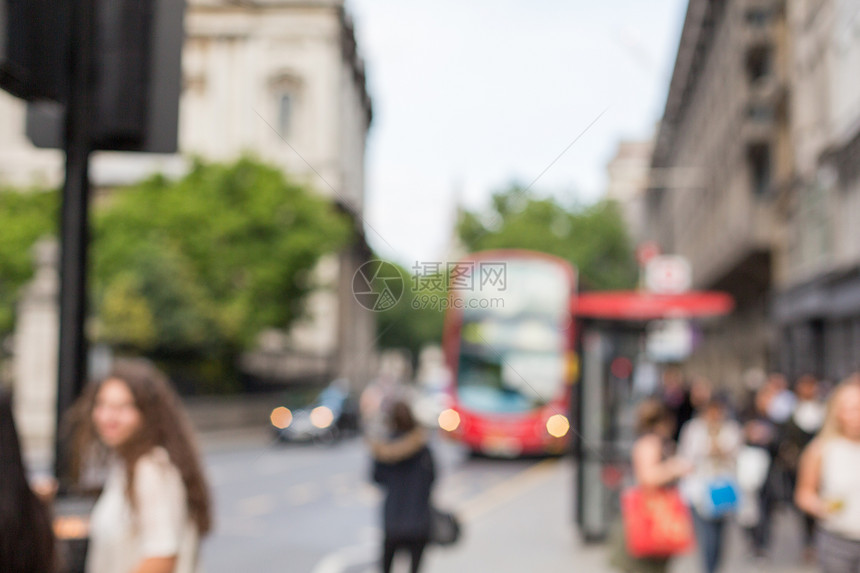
613	329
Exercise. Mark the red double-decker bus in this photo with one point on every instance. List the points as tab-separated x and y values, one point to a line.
509	344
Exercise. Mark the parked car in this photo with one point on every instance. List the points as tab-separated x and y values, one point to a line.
331	415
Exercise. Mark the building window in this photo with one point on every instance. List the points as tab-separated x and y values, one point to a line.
285	114
758	157
760	112
285	91
758	63
758	16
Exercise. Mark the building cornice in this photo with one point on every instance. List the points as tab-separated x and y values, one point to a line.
242	24
700	22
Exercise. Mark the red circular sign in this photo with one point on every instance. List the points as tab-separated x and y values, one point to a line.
647	251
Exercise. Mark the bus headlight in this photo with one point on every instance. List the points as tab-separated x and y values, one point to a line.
322	417
557	426
281	418
449	420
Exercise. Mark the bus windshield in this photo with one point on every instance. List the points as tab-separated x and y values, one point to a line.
512	352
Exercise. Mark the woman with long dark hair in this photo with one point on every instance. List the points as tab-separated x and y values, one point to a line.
404	468
155	505
26	539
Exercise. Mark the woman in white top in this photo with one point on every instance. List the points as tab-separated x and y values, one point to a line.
710	442
155	505
828	481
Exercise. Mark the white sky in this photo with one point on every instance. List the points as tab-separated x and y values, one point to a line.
469	96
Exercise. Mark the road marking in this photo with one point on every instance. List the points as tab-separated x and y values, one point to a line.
303	493
257	505
342	559
368	495
343	478
245	528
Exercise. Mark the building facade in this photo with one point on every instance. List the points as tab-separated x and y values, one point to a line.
627	182
816	306
281	80
722	164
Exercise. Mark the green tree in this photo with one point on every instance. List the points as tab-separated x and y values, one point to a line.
25	217
416	320
202	264
593	238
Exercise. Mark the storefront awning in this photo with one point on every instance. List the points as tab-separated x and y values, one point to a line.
638	306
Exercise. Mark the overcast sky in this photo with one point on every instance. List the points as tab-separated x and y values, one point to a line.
469	96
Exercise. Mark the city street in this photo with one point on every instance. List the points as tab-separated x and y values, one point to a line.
306	508
312	509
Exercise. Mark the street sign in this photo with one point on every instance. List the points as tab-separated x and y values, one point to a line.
669	340
668	274
646	252
34	36
135	80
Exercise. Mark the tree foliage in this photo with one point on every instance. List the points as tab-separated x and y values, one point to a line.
206	262
593	238
196	266
24	218
416	320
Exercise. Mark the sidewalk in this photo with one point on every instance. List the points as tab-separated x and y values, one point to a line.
533	530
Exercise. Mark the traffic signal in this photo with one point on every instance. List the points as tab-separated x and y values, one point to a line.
135	82
34	36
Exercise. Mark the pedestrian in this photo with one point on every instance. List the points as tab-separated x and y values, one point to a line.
701	392
404	467
762	435
782	400
796	434
27	542
155	505
675	395
654	466
828	483
711	442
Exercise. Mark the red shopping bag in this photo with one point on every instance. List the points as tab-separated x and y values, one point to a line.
657	522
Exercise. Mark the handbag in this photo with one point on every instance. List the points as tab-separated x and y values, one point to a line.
444	527
657	522
721	498
753	464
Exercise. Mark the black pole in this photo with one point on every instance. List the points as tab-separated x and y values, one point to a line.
74	224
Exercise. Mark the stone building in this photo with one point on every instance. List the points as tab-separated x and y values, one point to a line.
628	177
816	308
282	80
721	167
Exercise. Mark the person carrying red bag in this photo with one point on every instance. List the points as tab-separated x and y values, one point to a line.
655	523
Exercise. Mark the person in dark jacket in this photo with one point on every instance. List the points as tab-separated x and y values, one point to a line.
797	433
404	467
761	432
